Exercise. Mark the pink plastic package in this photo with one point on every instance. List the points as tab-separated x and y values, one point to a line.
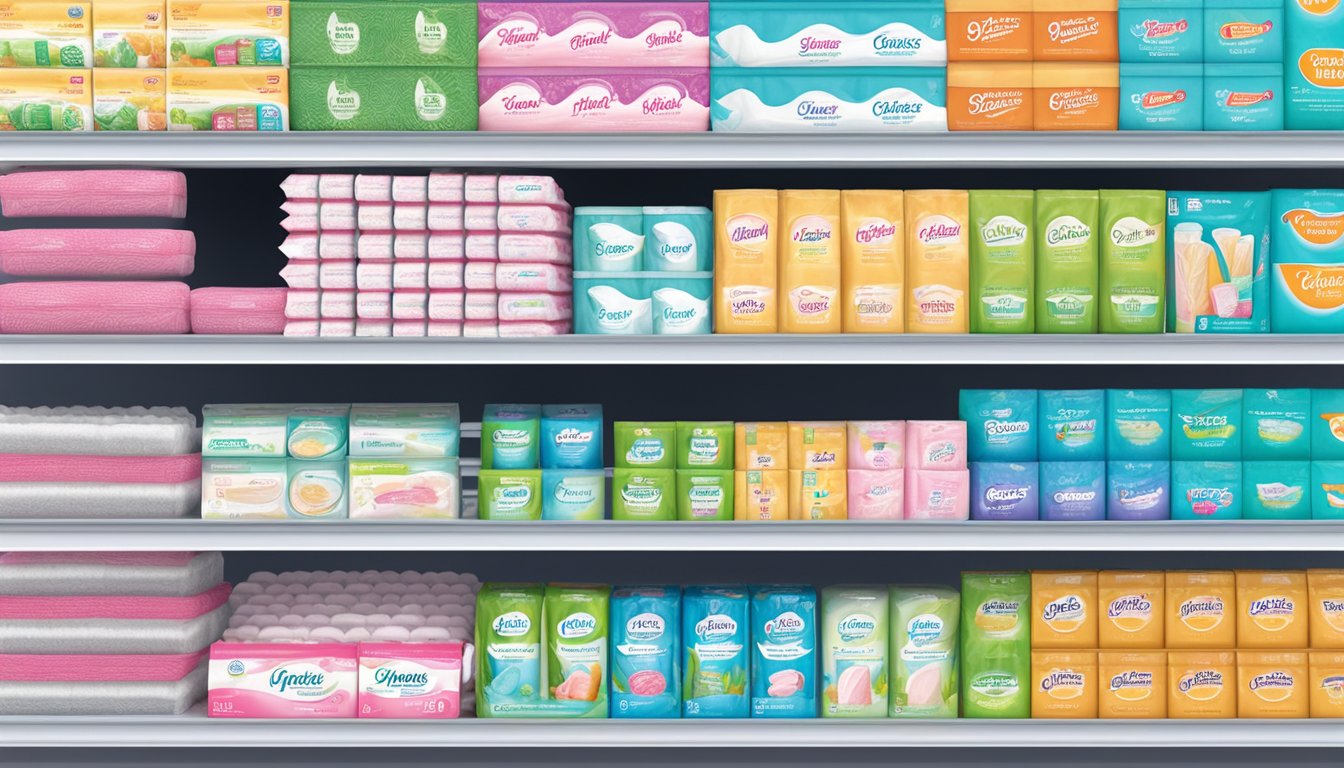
557	328
480	329
540	307
480	305
336	215
336	186
411	680
94	193
446	305
374	306
300	186
481	188
530	189
640	34
410	217
374	217
338	305
549	278
449	275
283	680
410	245
939	445
446	246
876	494
59	468
443	329
876	444
373	275
937	495
238	310
479	276
85	253
95	307
480	217
444	187
527	217
409	305
342	328
301	305
302	328
300	216
300	274
578	100
336	275
482	247
373	329
410	189
409	274
107	668
445	217
408	328
373	188
535	249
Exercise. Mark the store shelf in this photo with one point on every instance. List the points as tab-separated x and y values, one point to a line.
197	731
622	536
1297	149
782	349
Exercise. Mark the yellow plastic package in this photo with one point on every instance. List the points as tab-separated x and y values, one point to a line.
1131	609
1201	609
1133	684
1272	609
45	33
46	100
809	261
228	33
761	445
235	99
872	253
1201	684
818	445
1272	684
746	261
130	100
1064	685
1325	597
1063	609
1326	673
761	495
818	494
130	34
937	261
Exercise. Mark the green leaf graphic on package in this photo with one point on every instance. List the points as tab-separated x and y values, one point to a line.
342	35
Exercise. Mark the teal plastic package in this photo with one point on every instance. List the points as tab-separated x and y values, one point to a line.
859	99
426	430
646	652
573	494
716	652
1314	57
511	437
1217	262
608	239
1327	490
1206	424
678	239
1307	260
1138	490
318	432
1138	424
784	652
1243	31
1243	97
1072	425
1161	97
571	437
509	494
1276	424
1163	31
1206	490
1000	424
1327	424
316	490
1276	490
801	33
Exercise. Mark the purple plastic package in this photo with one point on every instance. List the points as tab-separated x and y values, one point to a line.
1073	490
604	102
1004	491
1138	490
641	34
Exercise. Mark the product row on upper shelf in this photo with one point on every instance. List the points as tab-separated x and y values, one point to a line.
1059	455
685	65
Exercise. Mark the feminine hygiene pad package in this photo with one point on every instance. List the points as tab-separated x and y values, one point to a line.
588	100
800	33
601	35
863	99
95	308
114	253
1307	269
94	193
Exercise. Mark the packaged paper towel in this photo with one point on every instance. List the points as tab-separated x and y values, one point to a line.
384	34
383	99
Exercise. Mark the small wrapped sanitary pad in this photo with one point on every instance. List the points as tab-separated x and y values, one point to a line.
238	310
535	307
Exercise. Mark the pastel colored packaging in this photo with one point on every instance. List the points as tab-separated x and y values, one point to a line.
1276	424
1207	424
858	99
1138	490
1201	684
244	489
1327	423
1138	424
991	96
47	100
995	644
511	437
1001	424
1201	610
872	254
715	652
509	494
318	431
1075	31
784	652
244	34
1276	490
761	445
1241	31
932	494
1132	685
643	494
427	430
509	631
573	494
383	34
794	33
228	99
412	680
1002	261
603	34
1272	609
404	488
935	445
1206	490
876	445
280	680
1217	254
1004	491
923	654
1073	490
316	490
646	652
1162	97
1064	608
1064	685
1314	54
1164	31
809	261
46	34
1067	256
704	494
854	644
761	495
1272	684
649	444
1325	598
875	494
705	444
1069	96
746	260
563	100
609	238
130	100
937	261
1243	97
678	238
1326	678
1133	261
818	494
1327	490
413	98
576	633
571	437
818	445
1131	608
1307	261
1072	424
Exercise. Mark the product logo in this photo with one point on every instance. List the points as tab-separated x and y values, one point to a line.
514	103
875	231
995	685
1202	612
747	229
1278	495
576	625
524	33
937	304
1333	613
572	436
811	229
883	43
924	629
585	104
508	498
811	300
1314	227
785	625
811	109
342	36
236	668
645	450
1074	497
1272	614
571	494
1131	232
1243	30
589	39
1152	29
745	301
1273	686
882	108
715	627
641	496
1132	685
704	449
664	38
1207	501
1130	613
511	438
1064	614
1003	230
939	230
1237	99
856	626
996	428
1322	67
1006	495
512	624
997	616
1063	684
1072	30
995	103
992	28
1159	99
1201	685
645	627
874	303
662	105
811	46
1067	230
1074	99
299	680
1207	426
390	677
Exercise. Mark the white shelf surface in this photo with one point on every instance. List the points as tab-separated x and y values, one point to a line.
198	731
930	349
1289	149
625	536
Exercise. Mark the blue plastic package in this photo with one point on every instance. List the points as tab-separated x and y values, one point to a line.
1005	491
1206	490
573	494
1072	425
1138	490
715	652
1206	424
1138	424
1276	490
784	652
849	33
1204	228
1327	490
1276	424
646	652
678	239
1161	97
1243	31
571	437
1000	424
1073	490
1161	31
864	99
1243	97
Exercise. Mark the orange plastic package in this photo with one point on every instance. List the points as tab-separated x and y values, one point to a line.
1131	609
989	97
1327	683
1064	684
1201	684
1064	609
1201	609
1076	30
1132	684
989	30
1076	97
1325	592
1272	684
1272	609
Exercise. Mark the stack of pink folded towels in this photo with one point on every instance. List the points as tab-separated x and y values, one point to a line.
104	633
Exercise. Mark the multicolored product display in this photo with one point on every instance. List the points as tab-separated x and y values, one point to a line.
542	463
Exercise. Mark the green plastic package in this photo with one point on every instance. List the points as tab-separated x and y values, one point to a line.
509	494
644	494
1133	260
996	644
382	98
705	494
576	635
923	655
1066	261
705	444
383	34
1002	261
646	444
508	634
